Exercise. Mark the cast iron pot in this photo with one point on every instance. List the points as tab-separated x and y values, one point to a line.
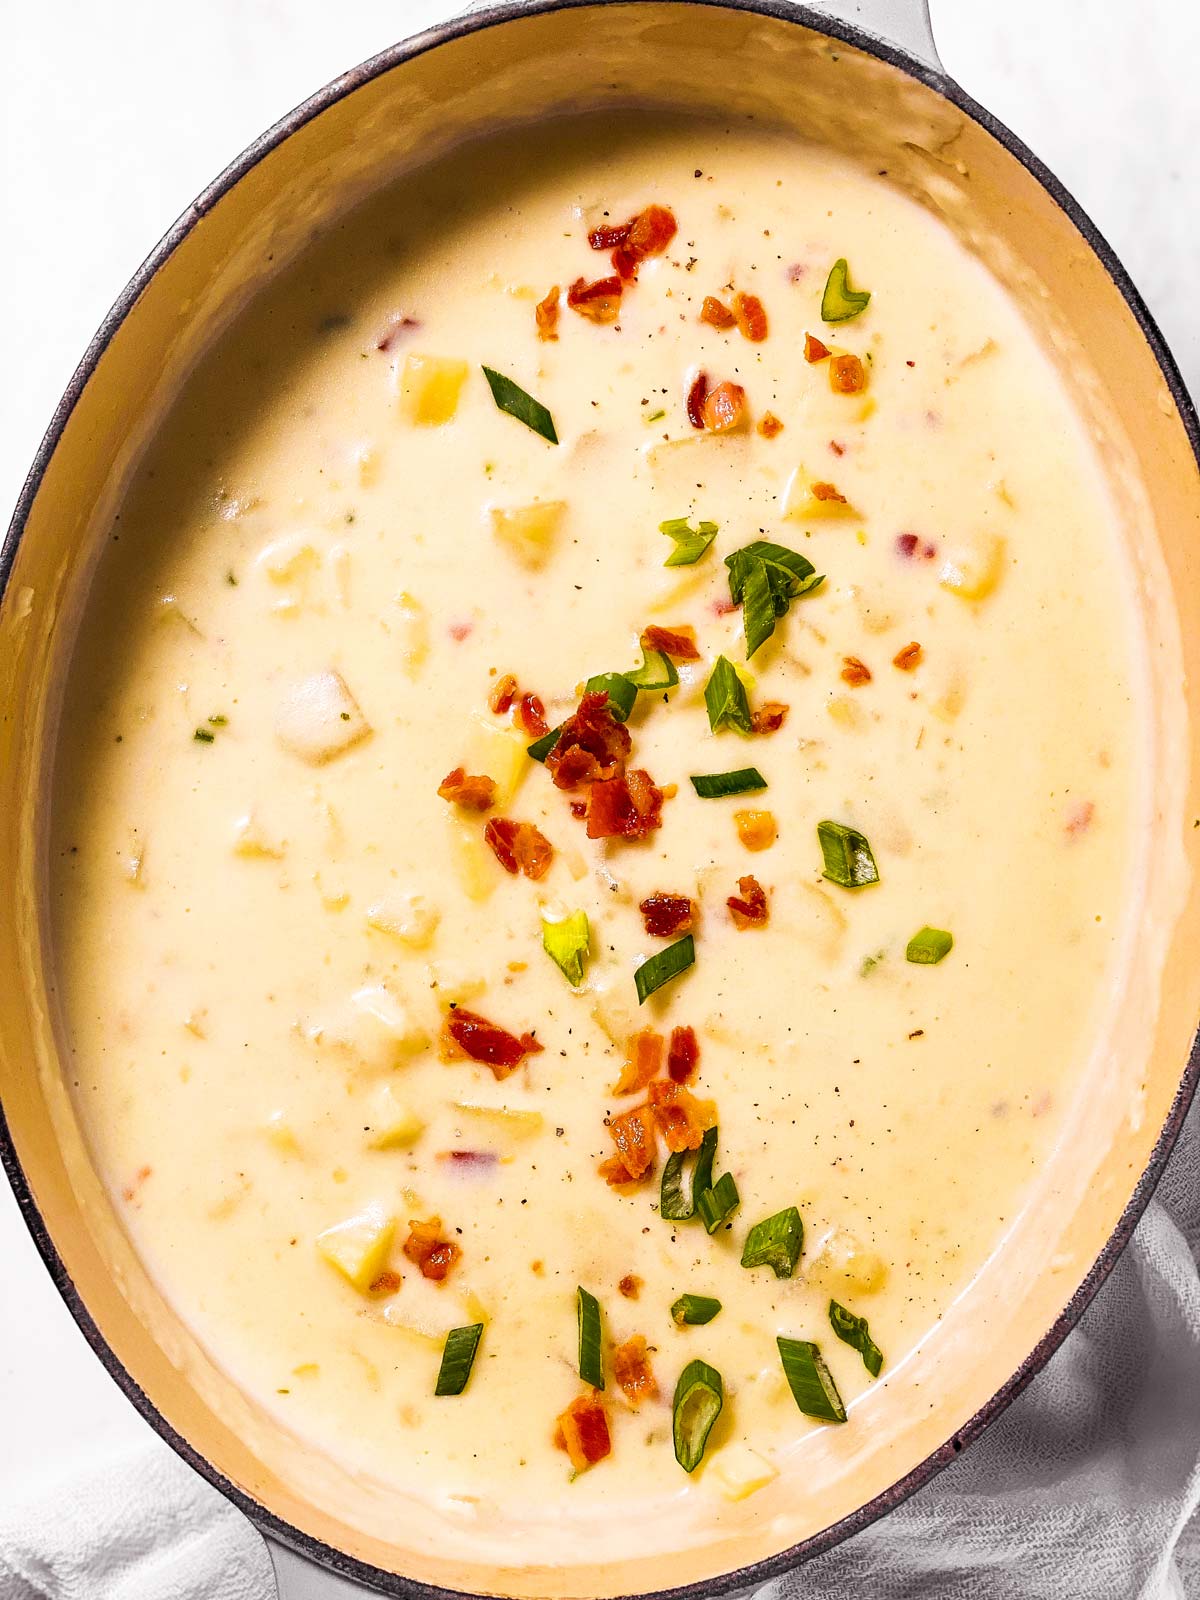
881	96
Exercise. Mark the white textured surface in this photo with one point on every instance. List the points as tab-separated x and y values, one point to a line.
115	116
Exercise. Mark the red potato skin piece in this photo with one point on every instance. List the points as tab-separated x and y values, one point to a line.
488	1043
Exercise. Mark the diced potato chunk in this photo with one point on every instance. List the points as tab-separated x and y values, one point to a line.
281	1134
288	558
430	387
502	752
455	982
529	533
504	1119
476	867
407	917
359	1247
376	1027
250	838
808	500
844	1256
393	1123
412	627
972	566
319	718
740	1471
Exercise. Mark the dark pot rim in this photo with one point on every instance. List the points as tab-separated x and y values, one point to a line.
748	1577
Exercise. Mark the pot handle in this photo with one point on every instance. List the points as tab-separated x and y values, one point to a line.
902	23
297	1578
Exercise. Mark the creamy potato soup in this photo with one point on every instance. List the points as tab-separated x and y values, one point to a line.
594	821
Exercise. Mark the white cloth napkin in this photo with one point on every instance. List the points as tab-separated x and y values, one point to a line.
1083	1490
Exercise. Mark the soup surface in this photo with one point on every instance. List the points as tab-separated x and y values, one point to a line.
352	984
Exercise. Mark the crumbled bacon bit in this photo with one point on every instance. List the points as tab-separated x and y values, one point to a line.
755	829
504	692
666	914
769	425
847	375
633	1135
1080	818
592	746
625	807
647	234
814	350
519	847
724	408
748	907
396	326
386	1283
579	809
476	793
632	1370
769	717
826	491
488	1043
696	397
479	1159
682	1119
426	1249
630	1286
751	317
609	235
683	1055
911	545
855	672
545	314
582	1431
908	657
531	716
678	643
644	1062
716	314
599	301
458	631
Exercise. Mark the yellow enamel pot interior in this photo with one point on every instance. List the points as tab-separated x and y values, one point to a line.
738	64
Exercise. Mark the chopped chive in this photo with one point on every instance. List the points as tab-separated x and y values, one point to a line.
716	785
676	1204
231	578
591	1355
566	942
716	1205
690	543
764	579
663	966
510	397
694	1310
853	1330
656	416
218	720
204	735
848	858
620	689
840	302
809	1379
657	671
699	1396
725	697
458	1357
929	946
775	1242
541	748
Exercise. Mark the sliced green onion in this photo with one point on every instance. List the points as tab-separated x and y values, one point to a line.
775	1242
591	1354
853	1330
813	1389
657	671
848	858
694	1310
725	697
566	943
716	1205
218	720
620	689
699	1396
675	1203
664	966
840	302
716	785
690	543
458	1357
929	946
204	735
510	397
541	748
764	579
